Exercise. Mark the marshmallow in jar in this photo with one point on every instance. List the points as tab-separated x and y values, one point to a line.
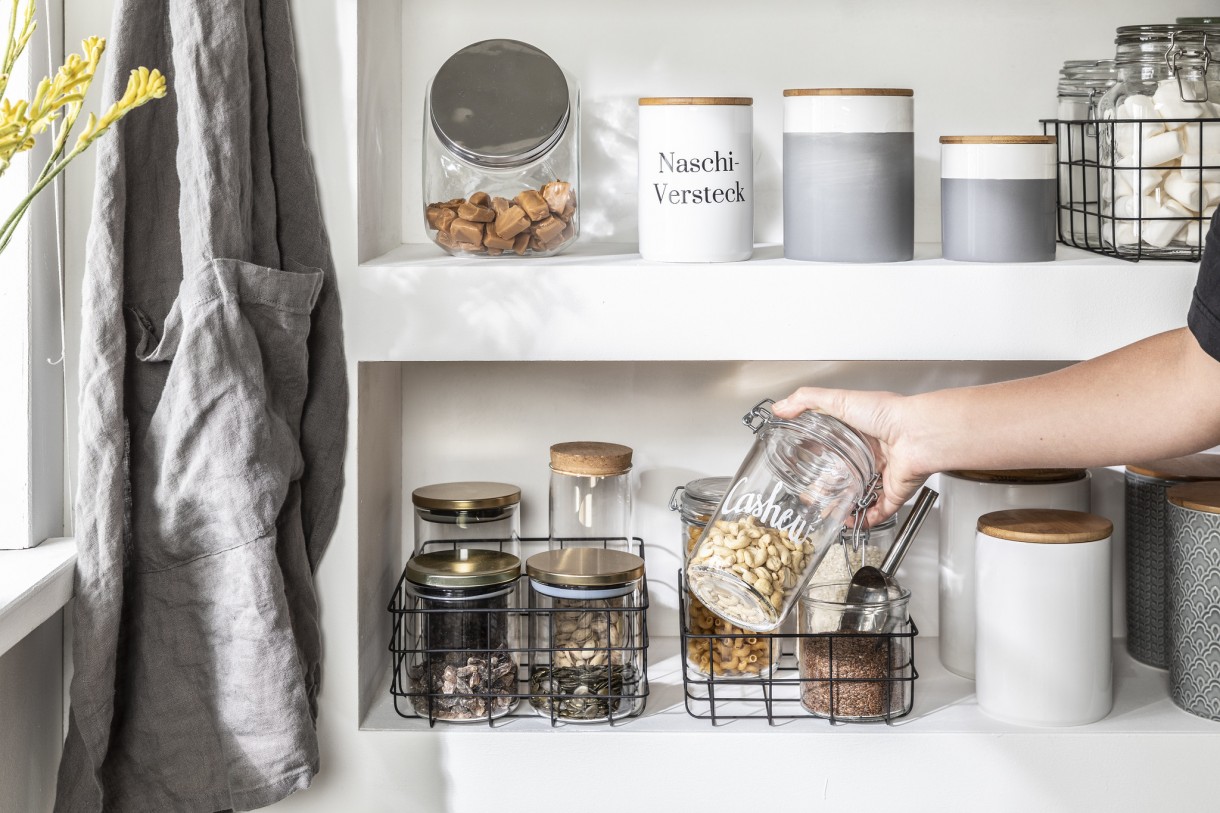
1043	616
997	198
696	174
1160	143
965	496
849	174
1193	511
1082	83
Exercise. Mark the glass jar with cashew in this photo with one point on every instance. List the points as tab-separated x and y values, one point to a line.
716	648
799	484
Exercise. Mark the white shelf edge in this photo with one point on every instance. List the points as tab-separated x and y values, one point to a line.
944	705
602	302
34	584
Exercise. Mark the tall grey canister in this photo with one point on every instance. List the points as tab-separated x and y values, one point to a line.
997	198
1194	609
1147	553
849	174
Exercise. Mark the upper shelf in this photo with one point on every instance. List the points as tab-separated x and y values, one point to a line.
603	302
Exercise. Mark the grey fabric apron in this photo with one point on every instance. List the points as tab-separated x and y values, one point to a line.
212	426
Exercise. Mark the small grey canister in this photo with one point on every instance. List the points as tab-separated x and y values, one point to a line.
1147	553
1194	584
997	198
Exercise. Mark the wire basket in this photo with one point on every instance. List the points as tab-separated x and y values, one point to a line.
491	683
834	688
1121	202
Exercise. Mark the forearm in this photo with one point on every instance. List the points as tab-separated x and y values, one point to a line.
1156	398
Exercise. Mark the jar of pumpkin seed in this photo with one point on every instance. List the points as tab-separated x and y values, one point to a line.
587	639
714	647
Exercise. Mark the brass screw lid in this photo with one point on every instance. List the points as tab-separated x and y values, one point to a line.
465	496
1045	525
849	92
998	139
658	101
590	458
1020	476
585	567
1202	496
1186	469
463	567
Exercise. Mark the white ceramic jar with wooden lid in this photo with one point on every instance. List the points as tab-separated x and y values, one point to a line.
696	178
1043	617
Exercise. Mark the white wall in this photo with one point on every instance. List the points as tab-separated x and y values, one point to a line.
31	719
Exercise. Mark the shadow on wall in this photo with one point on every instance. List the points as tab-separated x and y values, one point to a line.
609	138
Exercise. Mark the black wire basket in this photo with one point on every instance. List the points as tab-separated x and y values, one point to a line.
850	677
438	675
1094	215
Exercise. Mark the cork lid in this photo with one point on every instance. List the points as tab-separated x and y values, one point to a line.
465	496
1020	476
585	567
998	139
740	101
589	458
849	92
1191	468
1045	526
464	567
1203	496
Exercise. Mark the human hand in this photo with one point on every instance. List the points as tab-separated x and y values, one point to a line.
881	418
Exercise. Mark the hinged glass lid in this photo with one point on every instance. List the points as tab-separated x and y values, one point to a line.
499	103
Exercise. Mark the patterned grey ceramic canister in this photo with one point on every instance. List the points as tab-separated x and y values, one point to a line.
1147	616
1194	597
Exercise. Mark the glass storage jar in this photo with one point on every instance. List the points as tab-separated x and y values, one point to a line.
851	675
590	497
853	551
729	650
587	650
460	634
793	493
467	515
1160	143
501	153
1082	83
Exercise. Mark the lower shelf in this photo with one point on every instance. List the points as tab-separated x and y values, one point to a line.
944	704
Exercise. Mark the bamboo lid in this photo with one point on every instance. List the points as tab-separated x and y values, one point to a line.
998	139
1045	526
1204	496
1020	476
849	92
465	496
585	567
590	458
1191	468
650	101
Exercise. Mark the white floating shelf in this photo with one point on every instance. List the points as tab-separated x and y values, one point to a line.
603	302
34	584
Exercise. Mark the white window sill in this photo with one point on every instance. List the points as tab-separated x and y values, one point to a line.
34	584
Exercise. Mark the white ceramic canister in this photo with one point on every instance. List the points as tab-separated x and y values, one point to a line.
1044	617
696	174
965	496
997	198
849	174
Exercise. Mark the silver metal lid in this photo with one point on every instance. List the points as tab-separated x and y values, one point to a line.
499	103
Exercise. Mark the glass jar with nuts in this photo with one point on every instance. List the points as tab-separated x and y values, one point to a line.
716	648
797	487
588	644
501	153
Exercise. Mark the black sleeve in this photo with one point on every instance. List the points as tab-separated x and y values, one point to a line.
1204	316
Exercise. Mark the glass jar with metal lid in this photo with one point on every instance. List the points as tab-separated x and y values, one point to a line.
793	493
501	153
587	637
590	495
1082	83
716	648
472	514
460	636
854	550
1160	142
1148	543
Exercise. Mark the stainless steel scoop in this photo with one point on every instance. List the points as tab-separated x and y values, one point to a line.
870	586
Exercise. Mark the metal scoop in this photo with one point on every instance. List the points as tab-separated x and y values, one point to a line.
870	586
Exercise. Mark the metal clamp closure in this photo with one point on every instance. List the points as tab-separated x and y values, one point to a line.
860	530
1175	55
673	498
759	416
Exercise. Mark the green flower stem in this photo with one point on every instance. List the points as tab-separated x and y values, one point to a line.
10	225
